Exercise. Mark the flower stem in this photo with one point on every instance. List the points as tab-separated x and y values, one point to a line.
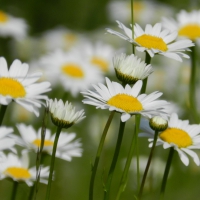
129	158
98	154
192	86
2	113
52	162
147	61
132	22
114	161
14	190
167	168
148	164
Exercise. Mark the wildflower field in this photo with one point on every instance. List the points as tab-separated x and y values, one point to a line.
99	100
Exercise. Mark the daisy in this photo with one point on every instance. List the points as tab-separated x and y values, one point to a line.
66	149
6	142
154	40
180	135
130	69
71	69
17	85
187	24
11	26
125	100
17	168
64	115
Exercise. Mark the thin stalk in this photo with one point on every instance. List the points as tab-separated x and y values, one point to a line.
147	61
14	190
192	87
52	163
129	158
148	164
2	113
98	154
114	161
132	22
167	168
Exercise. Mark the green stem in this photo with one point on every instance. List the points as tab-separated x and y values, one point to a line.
132	22
98	154
167	168
2	113
129	158
114	161
192	86
52	162
14	190
148	164
147	61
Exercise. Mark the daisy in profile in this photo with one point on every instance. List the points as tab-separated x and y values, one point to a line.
154	40
72	70
11	26
187	24
180	135
6	140
17	169
19	86
130	69
31	140
125	100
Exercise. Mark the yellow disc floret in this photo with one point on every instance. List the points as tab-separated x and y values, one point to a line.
177	136
17	173
151	42
125	102
72	70
11	87
192	31
37	142
3	17
101	63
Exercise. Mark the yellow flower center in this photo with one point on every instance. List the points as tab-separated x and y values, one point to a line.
102	64
151	42
72	70
191	31
17	172
70	37
176	136
12	88
125	102
47	143
3	17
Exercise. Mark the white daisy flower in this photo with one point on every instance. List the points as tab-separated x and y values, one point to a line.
71	69
18	85
187	24
64	115
130	68
67	147
154	40
125	100
6	142
12	27
180	135
18	169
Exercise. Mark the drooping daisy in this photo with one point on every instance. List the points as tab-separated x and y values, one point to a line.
11	26
125	100
180	135
70	69
187	24
6	142
16	84
154	40
17	168
130	69
66	149
64	115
